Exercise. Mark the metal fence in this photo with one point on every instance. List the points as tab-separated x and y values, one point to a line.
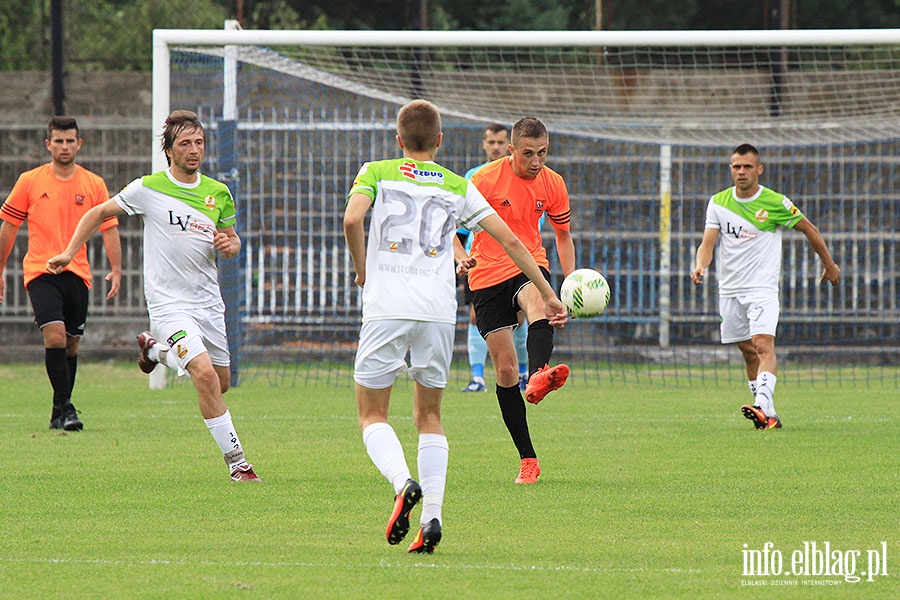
294	281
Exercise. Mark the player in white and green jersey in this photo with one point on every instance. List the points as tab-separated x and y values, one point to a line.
415	207
746	221
182	218
188	220
406	270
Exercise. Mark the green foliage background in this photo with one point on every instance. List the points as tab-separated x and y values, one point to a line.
116	34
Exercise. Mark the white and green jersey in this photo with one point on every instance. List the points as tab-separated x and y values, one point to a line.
416	208
179	223
748	256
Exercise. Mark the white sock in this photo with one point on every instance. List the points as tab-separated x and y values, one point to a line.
433	457
222	430
752	385
764	392
159	352
386	452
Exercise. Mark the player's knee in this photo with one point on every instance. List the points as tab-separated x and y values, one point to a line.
764	345
507	371
55	339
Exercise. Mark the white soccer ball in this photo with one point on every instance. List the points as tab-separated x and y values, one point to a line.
585	293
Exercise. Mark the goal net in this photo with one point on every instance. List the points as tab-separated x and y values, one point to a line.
642	125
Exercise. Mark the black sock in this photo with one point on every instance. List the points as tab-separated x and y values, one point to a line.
539	344
58	372
512	408
73	367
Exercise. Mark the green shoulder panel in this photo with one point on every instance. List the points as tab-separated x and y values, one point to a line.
767	212
426	174
210	197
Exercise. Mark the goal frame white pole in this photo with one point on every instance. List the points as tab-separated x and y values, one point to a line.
164	38
768	37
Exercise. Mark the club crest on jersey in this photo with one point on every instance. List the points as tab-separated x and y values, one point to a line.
539	206
410	171
210	203
79	200
762	215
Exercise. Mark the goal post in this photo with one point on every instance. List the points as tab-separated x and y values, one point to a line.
641	124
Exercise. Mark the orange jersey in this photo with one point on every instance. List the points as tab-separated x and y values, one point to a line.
53	207
520	203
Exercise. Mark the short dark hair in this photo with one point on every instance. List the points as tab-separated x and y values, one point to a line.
746	149
495	128
419	125
176	122
528	127
62	124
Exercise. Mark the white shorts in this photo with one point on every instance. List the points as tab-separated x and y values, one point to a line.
746	316
192	332
383	346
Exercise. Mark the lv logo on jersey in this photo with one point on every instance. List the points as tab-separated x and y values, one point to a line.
738	232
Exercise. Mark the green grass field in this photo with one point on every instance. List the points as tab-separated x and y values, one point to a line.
646	491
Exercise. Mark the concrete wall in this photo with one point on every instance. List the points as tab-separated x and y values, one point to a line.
26	96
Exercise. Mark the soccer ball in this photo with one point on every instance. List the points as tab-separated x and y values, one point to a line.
585	293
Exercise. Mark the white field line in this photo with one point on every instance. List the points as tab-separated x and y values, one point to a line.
382	564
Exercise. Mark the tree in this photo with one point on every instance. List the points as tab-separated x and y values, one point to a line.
119	34
24	35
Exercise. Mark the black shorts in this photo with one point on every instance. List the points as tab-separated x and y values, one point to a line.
60	298
496	307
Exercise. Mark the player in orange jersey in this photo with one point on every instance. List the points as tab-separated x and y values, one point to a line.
53	198
521	189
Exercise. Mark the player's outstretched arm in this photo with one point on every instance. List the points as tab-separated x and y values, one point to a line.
704	254
832	272
555	310
87	226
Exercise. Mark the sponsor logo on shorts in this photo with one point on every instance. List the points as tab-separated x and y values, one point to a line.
176	337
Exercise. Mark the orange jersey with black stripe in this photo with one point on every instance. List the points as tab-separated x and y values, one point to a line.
53	207
520	203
